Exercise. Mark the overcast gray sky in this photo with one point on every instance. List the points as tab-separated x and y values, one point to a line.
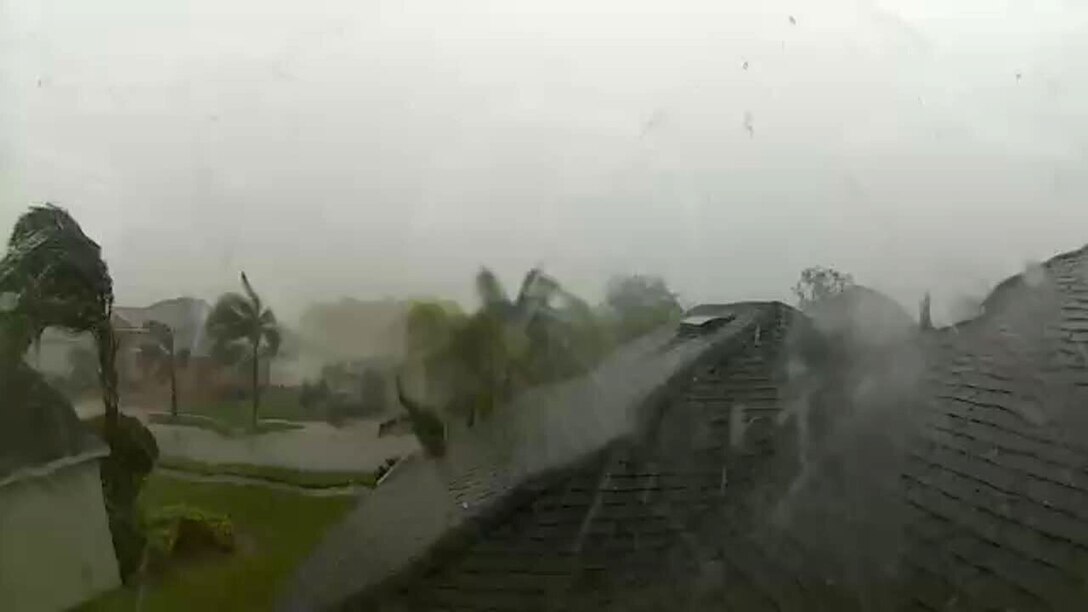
374	148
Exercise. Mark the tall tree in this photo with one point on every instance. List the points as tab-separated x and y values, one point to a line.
508	343
58	278
819	283
159	353
925	320
639	304
244	330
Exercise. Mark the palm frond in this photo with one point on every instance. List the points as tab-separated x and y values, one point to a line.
254	299
231	352
527	286
271	334
490	290
55	272
537	291
230	318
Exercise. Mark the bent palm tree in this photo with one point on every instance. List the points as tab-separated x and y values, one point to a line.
58	279
243	329
159	351
53	276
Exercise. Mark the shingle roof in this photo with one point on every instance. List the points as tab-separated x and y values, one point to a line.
948	472
489	469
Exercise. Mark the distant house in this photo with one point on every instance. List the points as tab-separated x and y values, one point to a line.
55	545
52	354
198	373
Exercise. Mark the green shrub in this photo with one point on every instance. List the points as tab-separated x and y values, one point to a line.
306	479
184	530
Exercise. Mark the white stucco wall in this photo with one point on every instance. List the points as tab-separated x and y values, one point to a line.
55	547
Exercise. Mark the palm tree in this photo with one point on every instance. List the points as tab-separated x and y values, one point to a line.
159	352
505	344
541	331
243	329
59	279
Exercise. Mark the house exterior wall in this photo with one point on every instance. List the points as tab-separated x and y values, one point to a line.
55	546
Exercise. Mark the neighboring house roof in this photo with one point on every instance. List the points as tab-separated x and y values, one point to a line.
38	426
185	316
711	310
124	317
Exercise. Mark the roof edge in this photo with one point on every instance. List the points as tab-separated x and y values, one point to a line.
48	469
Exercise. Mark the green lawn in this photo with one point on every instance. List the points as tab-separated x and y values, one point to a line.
276	403
298	478
276	531
220	427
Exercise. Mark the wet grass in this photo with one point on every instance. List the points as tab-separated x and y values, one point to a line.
276	403
222	428
281	475
276	531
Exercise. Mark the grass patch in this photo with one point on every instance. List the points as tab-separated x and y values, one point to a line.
276	530
276	403
219	427
288	476
270	426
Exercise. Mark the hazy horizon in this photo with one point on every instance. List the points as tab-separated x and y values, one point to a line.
377	150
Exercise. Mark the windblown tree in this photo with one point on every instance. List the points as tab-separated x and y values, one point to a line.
508	344
243	331
54	276
59	279
819	283
925	319
638	304
159	353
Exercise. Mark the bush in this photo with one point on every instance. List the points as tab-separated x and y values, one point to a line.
185	530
